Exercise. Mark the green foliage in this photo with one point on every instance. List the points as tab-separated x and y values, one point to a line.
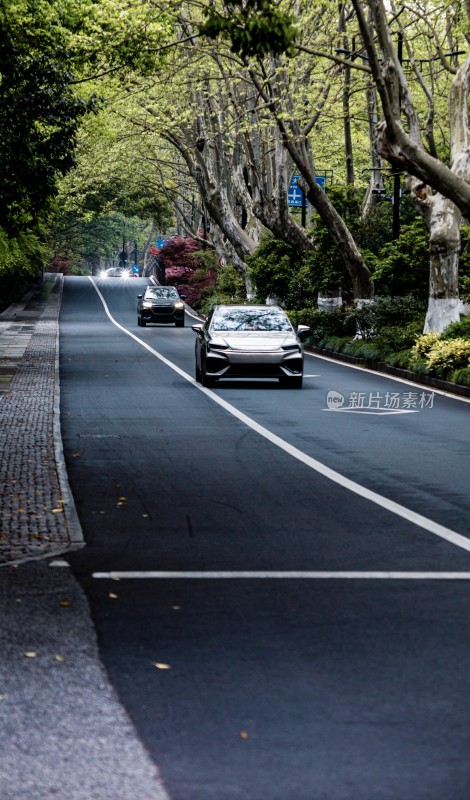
322	323
440	355
39	117
386	312
229	288
325	263
424	344
253	27
461	376
449	354
272	266
398	337
22	258
401	266
82	240
457	330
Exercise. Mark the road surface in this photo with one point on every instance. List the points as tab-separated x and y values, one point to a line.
279	579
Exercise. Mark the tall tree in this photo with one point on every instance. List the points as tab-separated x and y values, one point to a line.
443	207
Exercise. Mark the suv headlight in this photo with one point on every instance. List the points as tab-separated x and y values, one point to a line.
179	305
147	304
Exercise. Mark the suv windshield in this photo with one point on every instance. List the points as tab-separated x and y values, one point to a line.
162	292
250	319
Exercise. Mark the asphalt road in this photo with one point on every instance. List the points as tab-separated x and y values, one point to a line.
336	666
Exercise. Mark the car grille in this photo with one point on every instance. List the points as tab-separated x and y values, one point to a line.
162	309
254	370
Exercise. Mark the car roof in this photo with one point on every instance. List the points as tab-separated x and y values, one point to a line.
247	305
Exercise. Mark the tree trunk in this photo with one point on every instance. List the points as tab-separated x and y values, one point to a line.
443	304
348	146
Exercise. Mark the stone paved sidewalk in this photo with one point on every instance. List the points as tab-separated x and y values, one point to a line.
37	513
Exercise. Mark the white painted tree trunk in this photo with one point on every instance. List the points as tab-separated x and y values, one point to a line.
443	304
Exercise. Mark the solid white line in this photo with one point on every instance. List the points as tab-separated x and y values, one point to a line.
423	387
389	505
191	574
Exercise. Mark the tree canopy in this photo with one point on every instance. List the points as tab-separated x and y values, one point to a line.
197	116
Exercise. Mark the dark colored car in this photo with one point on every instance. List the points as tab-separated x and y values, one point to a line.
249	342
160	304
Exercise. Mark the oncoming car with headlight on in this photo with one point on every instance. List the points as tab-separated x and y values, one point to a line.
115	272
160	304
249	342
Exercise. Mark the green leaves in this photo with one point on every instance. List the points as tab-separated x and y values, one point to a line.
253	27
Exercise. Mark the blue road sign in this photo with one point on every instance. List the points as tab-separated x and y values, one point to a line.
294	195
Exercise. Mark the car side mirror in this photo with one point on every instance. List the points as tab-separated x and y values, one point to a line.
303	331
139	296
183	296
197	328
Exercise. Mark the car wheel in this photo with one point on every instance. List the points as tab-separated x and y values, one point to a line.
205	379
179	323
292	383
208	382
139	321
198	374
142	323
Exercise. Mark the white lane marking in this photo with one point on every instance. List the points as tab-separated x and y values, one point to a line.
389	377
384	502
324	575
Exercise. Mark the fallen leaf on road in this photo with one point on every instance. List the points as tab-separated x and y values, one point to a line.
244	735
112	595
65	603
159	665
59	658
30	654
57	510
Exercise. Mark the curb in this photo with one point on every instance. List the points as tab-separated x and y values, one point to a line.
385	369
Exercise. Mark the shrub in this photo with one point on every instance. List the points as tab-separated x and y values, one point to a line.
424	344
449	354
398	337
461	376
322	323
401	359
386	312
457	330
21	262
361	348
333	344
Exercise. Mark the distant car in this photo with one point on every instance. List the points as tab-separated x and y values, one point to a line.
115	272
160	304
249	342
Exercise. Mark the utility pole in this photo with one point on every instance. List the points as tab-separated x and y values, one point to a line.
396	176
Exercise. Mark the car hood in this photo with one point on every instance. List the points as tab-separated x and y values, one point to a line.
254	340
